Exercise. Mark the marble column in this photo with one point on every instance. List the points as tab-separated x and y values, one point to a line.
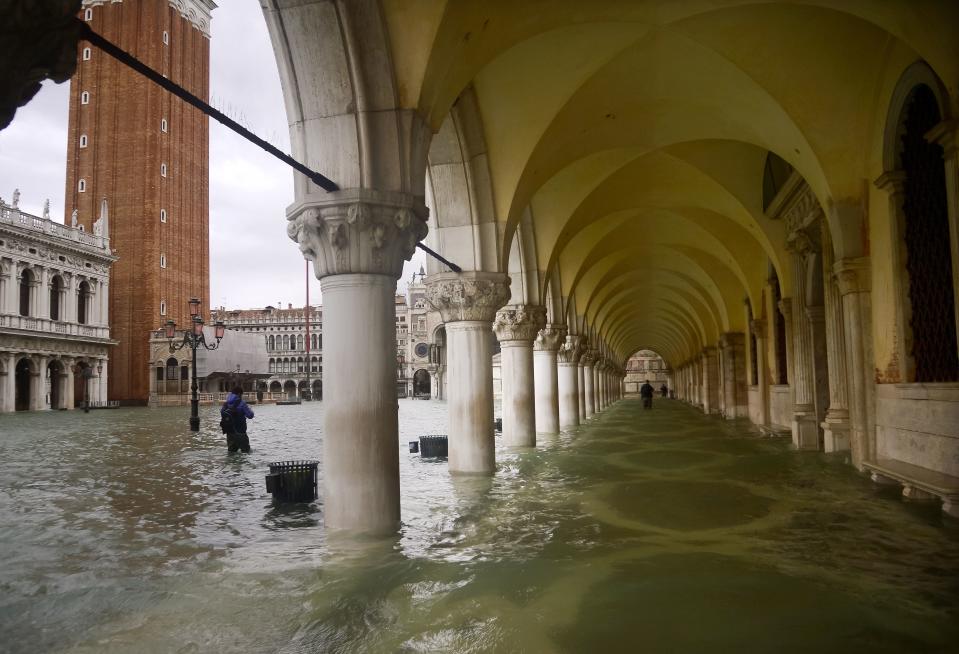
758	329
710	381
545	378
568	368
68	398
597	386
358	240
805	427
836	425
854	281
733	371
9	383
581	387
468	302
588	360
38	391
515	326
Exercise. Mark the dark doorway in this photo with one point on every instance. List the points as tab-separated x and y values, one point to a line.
22	382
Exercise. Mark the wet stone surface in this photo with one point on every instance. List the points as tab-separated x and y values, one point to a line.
654	531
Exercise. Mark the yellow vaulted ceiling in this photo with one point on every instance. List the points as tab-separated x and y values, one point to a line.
635	133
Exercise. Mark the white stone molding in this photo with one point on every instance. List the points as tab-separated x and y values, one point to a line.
472	295
519	322
357	231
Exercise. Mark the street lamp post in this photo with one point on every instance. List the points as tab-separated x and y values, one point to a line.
193	338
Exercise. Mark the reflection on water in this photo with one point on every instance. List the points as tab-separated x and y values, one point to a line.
660	531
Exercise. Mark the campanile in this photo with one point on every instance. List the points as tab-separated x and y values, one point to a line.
147	152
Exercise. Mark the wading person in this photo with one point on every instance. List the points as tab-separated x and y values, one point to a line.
663	391
233	415
646	392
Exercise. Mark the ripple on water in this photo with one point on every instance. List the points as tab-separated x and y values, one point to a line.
668	459
687	505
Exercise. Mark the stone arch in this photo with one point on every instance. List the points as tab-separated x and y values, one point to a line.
24	372
56	297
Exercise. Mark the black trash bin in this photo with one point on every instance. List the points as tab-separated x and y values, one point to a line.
292	481
434	446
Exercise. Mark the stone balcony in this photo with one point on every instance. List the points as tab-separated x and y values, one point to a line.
23	220
47	327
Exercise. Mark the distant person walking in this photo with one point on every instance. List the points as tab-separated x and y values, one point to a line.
233	416
664	391
646	392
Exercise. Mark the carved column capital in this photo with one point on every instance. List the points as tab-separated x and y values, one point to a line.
946	134
468	295
804	209
589	357
803	241
572	350
786	307
357	231
758	327
892	182
550	338
519	322
852	275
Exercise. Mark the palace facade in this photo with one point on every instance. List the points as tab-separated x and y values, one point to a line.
55	343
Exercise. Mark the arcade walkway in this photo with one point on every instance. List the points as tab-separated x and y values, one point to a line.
659	531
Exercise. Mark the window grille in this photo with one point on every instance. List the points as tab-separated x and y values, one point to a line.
928	257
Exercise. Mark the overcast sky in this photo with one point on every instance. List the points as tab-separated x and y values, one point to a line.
252	261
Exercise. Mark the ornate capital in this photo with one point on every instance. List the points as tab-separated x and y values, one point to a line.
709	351
852	275
589	357
757	328
572	349
519	322
731	339
786	307
467	295
550	338
803	241
893	181
946	134
357	231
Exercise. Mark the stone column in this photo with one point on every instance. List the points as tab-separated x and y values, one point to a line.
545	378
805	427
581	387
68	399
710	381
568	368
358	240
836	425
516	326
102	384
853	279
588	360
38	393
468	303
758	329
597	386
733	371
9	384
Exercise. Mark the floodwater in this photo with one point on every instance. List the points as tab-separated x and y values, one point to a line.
658	531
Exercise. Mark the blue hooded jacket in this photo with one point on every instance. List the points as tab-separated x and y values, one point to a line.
239	411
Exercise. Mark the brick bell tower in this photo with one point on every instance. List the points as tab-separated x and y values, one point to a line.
147	152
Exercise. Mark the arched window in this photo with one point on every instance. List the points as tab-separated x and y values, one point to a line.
162	170
928	260
162	307
163	125
88	14
162	215
272	343
86	54
83	299
83	140
166	38
56	289
299	364
159	374
162	260
286	341
85	97
26	281
171	369
299	342
82	186
272	366
312	341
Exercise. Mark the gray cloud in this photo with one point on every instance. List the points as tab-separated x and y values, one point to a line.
252	262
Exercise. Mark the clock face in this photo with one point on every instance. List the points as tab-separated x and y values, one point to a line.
422	349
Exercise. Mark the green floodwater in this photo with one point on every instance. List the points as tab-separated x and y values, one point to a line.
643	531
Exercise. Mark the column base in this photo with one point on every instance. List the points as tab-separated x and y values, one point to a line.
805	431
835	435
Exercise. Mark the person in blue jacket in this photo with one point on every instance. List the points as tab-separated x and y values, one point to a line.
233	416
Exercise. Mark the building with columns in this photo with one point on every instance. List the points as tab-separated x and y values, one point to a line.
766	195
643	366
55	340
148	152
